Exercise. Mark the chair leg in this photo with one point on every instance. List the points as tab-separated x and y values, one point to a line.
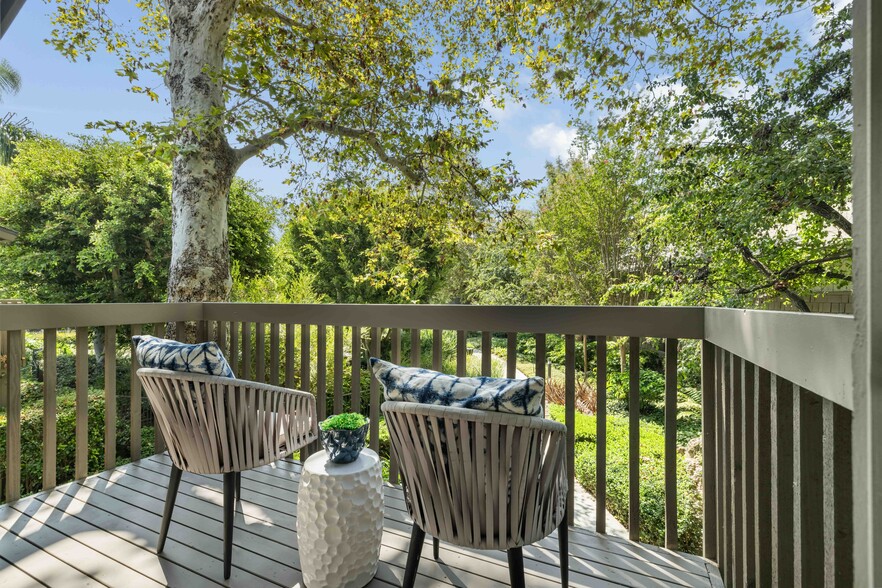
170	496
516	567
435	548
417	536
563	544
229	505
238	486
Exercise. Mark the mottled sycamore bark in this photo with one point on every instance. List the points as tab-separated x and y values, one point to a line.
205	164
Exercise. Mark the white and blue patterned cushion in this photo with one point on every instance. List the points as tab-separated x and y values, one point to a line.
411	384
199	358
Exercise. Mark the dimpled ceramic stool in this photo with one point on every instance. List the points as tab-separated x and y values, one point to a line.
340	520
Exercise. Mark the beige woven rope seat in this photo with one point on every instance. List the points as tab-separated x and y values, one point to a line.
480	479
216	425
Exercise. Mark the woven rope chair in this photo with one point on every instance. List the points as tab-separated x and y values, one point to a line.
215	425
480	479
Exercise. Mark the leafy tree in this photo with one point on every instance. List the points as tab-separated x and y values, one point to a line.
591	216
755	187
12	130
371	245
370	89
495	265
94	223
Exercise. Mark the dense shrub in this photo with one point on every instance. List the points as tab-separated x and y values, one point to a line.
652	495
32	440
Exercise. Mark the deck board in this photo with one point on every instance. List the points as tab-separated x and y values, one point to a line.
101	531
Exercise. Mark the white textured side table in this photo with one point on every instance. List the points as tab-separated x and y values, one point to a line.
340	520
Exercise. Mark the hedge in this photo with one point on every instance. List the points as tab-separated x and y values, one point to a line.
652	481
32	440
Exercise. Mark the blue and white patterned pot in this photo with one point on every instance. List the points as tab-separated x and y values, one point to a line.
344	445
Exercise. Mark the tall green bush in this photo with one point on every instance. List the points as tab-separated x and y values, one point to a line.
652	481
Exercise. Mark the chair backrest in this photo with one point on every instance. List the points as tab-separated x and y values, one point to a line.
479	479
215	425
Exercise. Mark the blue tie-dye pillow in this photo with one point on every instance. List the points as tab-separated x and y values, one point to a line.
410	384
200	358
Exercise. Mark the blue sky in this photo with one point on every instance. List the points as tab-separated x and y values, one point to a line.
60	98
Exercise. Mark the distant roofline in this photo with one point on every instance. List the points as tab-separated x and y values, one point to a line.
8	10
7	235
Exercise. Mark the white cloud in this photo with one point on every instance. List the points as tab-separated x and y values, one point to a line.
554	139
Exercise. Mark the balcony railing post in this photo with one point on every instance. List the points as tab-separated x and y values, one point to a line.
709	449
14	342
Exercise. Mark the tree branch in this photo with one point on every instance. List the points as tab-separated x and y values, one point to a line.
368	137
778	284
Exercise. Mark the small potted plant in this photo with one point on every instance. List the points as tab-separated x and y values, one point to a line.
343	436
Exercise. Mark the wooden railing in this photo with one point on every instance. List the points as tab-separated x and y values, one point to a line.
777	447
775	389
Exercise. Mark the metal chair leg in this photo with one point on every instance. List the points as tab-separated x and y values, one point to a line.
516	567
229	504
417	537
170	496
563	544
435	548
238	486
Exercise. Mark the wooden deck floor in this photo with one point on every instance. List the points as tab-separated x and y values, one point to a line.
102	532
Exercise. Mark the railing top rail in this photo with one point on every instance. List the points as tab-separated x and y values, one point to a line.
811	350
61	316
642	321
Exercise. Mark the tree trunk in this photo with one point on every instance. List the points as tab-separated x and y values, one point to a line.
205	164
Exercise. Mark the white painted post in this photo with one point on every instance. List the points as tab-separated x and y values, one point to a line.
867	195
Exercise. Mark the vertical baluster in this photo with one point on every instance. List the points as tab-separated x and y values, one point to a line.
274	354
395	337
305	377
338	369
355	399
50	379
181	331
762	451
460	353
289	355
540	361
671	443
109	397
747	441
782	507
415	348
135	401
260	352
570	414
158	439
737	470
220	330
811	483
396	359
511	355
634	439
305	358
601	436
437	350
81	459
234	349
246	351
375	392
14	343
709	449
201	331
843	534
723	510
486	354
321	373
